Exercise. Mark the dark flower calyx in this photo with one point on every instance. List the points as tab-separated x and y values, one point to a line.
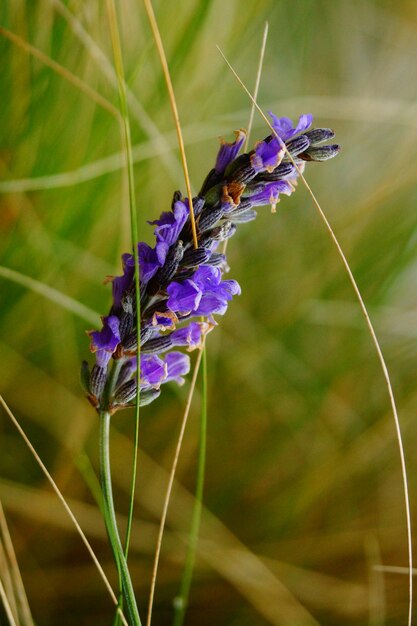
320	153
194	257
297	145
319	135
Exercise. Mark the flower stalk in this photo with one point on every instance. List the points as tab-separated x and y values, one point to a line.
110	521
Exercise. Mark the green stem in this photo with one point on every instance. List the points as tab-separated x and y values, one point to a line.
110	520
181	601
118	62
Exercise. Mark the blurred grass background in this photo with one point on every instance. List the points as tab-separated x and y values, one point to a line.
303	491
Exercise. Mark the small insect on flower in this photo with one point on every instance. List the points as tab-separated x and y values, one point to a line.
180	282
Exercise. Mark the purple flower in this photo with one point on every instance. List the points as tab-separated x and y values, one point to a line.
189	336
164	320
268	155
229	151
283	126
270	193
178	364
183	297
228	289
120	284
178	283
171	223
211	303
207	277
153	370
216	292
151	259
215	300
105	341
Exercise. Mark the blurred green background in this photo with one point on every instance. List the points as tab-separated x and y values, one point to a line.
303	495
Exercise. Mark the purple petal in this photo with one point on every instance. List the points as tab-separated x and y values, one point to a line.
207	277
268	155
229	288
106	339
183	297
102	358
171	223
149	261
284	127
120	284
178	364
270	193
165	320
229	151
189	336
212	302
153	370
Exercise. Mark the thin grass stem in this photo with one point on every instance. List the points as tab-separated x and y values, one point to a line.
374	340
65	505
257	83
22	600
5	577
170	485
171	93
255	95
118	62
7	607
181	601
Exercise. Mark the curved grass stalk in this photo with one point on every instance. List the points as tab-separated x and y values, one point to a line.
55	296
181	601
17	582
375	341
65	505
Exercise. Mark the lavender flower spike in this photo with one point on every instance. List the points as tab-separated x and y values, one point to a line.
179	283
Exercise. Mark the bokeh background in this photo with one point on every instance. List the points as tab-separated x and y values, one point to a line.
303	496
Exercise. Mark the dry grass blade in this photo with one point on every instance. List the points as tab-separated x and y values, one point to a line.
22	601
7	607
374	340
62	71
257	83
65	505
255	97
376	594
6	578
395	569
170	485
164	63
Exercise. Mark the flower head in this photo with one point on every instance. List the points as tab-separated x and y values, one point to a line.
180	282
